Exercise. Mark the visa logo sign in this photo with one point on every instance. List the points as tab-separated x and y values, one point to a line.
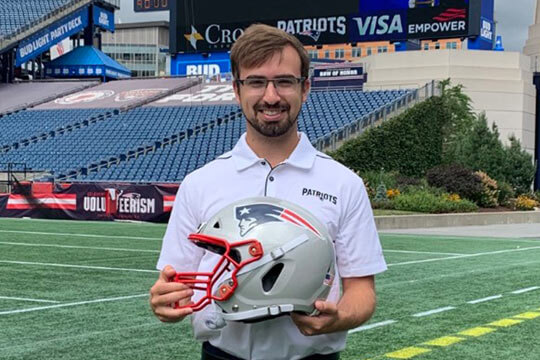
379	25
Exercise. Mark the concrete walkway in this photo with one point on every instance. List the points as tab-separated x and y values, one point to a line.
431	221
528	231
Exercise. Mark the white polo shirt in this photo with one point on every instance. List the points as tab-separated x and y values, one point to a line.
311	179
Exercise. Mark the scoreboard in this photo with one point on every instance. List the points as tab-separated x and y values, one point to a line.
151	5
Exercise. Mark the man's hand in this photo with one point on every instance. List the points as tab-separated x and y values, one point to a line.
321	324
164	294
355	307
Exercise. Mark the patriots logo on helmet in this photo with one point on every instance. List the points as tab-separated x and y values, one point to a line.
253	215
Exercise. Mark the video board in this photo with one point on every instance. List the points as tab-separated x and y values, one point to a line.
211	25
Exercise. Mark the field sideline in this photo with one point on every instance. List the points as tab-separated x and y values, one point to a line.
78	290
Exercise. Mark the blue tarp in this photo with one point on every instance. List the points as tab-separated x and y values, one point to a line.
86	61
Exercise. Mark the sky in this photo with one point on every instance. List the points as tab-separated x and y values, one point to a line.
513	19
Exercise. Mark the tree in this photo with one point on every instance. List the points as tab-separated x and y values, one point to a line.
479	148
518	169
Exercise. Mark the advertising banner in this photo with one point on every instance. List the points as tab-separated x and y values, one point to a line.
209	25
51	35
209	64
99	201
196	29
338	75
104	18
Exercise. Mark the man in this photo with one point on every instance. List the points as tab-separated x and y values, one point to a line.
271	70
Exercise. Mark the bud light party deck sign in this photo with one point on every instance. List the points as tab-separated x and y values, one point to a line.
51	35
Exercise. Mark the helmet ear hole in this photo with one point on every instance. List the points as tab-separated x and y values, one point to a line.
217	225
270	278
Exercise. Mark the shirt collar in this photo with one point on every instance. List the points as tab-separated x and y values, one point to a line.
303	155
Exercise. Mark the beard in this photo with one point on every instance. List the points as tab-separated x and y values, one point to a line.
272	129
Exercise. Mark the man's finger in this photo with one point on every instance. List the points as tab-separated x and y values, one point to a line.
167	272
326	307
161	288
170	298
168	314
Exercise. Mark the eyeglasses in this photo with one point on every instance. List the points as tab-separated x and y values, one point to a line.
283	85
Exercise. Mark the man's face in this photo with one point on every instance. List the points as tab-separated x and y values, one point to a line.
273	111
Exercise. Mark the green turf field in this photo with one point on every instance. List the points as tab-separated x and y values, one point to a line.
78	290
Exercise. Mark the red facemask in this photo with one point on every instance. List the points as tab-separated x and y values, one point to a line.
230	262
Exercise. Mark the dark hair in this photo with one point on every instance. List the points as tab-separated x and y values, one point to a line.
259	43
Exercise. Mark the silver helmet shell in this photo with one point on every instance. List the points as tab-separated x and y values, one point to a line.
296	267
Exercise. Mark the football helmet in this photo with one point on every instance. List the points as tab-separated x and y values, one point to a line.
275	258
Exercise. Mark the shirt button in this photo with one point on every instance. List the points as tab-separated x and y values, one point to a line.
263	163
271	178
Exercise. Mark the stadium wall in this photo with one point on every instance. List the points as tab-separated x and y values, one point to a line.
499	83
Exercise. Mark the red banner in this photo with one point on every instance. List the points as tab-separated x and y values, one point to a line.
93	202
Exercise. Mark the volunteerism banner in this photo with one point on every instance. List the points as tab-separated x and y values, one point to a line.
51	35
94	202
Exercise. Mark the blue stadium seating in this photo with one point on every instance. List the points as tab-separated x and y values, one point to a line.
107	138
15	14
32	123
164	144
323	113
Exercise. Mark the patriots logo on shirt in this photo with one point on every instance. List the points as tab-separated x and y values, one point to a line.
253	215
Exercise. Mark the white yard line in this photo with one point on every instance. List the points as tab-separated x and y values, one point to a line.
521	291
477	301
434	311
81	235
465	256
476	238
439	310
77	247
71	304
26	299
74	266
421	252
372	326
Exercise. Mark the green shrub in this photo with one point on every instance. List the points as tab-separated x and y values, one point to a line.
403	181
479	149
455	178
518	168
489	197
427	202
376	177
382	205
506	193
409	143
525	202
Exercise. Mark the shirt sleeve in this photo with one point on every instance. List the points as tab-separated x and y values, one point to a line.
358	249
176	249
